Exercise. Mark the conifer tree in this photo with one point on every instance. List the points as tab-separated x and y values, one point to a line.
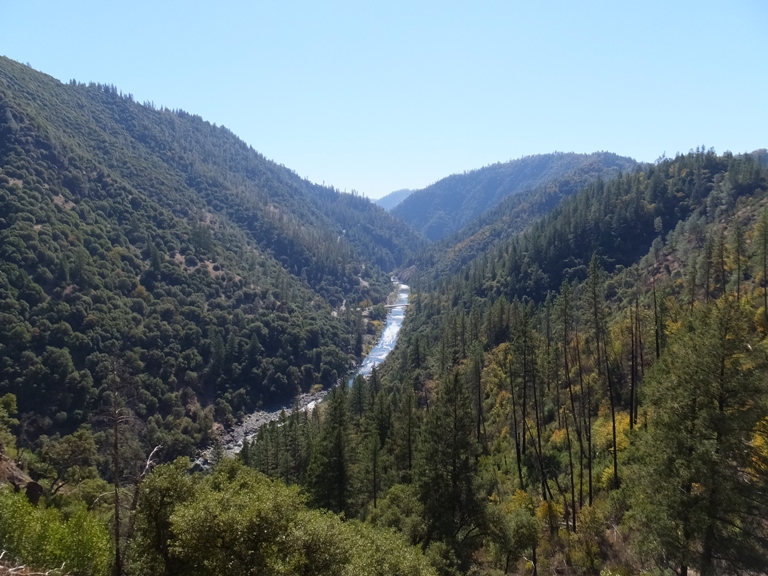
721	269
406	425
372	442
761	239
329	469
445	477
564	304
739	252
595	297
698	497
358	395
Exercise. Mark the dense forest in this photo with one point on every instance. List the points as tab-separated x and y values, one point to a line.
609	417
148	255
158	280
579	386
513	215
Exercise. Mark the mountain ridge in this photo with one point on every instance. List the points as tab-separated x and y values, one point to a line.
446	206
511	216
392	199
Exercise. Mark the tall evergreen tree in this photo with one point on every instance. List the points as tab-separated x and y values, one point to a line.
329	469
596	303
405	434
761	239
739	253
699	500
445	477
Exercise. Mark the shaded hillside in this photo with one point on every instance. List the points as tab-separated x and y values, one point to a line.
392	199
453	202
378	236
149	249
618	219
508	218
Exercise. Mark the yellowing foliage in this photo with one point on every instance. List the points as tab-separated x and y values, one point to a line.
605	478
521	499
503	400
603	430
549	512
559	438
673	327
761	321
760	446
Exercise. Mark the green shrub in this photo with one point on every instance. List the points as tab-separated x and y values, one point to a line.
43	537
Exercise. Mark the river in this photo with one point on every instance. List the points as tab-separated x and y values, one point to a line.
388	337
232	440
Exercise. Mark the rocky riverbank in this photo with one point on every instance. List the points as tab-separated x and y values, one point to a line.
232	440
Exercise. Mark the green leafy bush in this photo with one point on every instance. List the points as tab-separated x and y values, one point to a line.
43	537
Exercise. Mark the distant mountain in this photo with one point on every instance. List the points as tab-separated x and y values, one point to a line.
393	199
453	202
152	243
514	214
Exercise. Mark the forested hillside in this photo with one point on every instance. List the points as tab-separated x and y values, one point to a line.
392	199
148	249
158	279
619	220
579	388
507	219
448	205
588	398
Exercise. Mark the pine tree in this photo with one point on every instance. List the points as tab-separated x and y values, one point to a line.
721	269
564	305
699	501
739	253
329	473
445	476
405	434
595	301
357	396
761	239
371	451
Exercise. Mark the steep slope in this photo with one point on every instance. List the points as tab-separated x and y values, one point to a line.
392	199
511	216
150	249
282	212
453	202
618	219
378	236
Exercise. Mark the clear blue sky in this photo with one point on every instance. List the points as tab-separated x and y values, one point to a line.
388	95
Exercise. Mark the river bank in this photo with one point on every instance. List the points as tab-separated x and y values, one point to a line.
232	440
389	335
